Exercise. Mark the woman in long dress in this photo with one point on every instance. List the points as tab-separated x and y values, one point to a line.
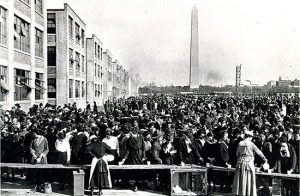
99	173
39	150
244	183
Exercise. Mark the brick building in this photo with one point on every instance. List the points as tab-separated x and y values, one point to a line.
67	57
23	53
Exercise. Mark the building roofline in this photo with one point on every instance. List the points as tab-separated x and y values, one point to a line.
93	35
64	9
54	10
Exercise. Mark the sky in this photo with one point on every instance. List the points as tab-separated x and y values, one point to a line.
152	37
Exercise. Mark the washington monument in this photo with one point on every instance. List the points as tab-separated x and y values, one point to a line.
194	79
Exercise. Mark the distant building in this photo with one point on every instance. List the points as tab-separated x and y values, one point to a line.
116	79
23	54
108	77
67	57
271	83
287	83
295	83
95	70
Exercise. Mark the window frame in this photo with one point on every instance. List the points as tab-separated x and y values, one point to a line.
21	34
51	90
70	27
39	86
71	89
39	43
22	89
39	6
3	26
51	23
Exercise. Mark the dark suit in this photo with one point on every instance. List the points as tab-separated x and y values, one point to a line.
78	146
182	151
222	157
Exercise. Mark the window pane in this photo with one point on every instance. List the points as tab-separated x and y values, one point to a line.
38	43
21	35
70	88
22	88
51	55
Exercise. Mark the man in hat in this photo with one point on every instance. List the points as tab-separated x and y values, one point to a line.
78	145
222	159
186	149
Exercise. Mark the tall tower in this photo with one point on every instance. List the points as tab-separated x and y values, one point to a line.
194	79
238	72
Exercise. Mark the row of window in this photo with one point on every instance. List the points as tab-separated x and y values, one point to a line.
21	34
79	62
98	71
22	88
109	76
98	90
98	51
77	88
79	35
38	5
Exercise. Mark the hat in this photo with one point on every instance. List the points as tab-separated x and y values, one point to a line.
248	132
93	137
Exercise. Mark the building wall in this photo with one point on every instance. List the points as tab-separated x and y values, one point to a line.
108	75
95	71
66	64
26	60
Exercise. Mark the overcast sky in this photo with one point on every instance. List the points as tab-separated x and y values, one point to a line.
152	37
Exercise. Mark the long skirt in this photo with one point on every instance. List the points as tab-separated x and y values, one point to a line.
100	175
244	183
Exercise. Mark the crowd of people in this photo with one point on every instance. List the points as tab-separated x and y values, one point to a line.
160	129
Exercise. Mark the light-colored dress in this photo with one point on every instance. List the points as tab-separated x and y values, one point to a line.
244	183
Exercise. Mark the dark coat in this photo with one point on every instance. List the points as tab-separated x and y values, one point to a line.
283	164
135	150
182	154
78	146
222	156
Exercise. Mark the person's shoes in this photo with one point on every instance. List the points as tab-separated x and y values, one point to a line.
37	188
100	192
34	189
135	189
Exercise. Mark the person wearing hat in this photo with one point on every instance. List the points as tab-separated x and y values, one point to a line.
244	180
39	150
186	149
78	145
63	156
135	153
222	159
234	142
286	163
99	172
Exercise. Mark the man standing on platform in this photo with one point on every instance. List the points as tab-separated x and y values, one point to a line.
135	153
